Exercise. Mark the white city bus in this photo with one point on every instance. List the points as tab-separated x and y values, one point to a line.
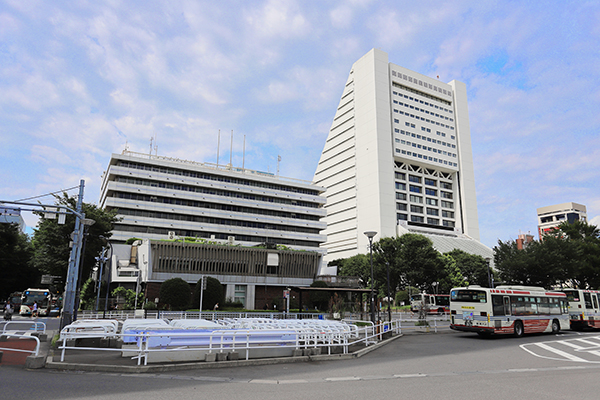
508	310
584	309
433	303
41	296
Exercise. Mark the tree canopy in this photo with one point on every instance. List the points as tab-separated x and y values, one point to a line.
16	251
570	255
175	293
51	241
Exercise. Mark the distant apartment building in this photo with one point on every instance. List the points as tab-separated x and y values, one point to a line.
524	240
252	227
551	216
398	159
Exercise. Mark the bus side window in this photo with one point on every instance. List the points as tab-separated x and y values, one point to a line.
595	300
587	298
543	305
498	305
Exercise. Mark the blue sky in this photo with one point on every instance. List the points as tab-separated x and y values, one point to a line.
81	80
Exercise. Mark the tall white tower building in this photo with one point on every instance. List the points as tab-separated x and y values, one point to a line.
398	159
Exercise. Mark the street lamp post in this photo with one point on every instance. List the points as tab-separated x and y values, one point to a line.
371	235
490	278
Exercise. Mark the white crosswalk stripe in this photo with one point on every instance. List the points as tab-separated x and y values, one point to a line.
584	350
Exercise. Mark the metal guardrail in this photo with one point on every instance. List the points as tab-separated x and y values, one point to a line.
208	315
13	333
34	326
147	340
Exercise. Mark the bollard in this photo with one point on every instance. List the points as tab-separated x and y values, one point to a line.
35	362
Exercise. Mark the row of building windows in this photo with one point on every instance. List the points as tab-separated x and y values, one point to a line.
214	206
209	235
425	138
420	219
420	93
217	221
428	200
422	119
213	191
419	189
432	149
425	157
212	177
417	179
432	113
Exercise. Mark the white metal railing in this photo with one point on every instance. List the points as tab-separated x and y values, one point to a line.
208	315
145	337
34	326
35	351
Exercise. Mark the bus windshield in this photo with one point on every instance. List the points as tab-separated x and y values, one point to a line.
572	295
469	295
31	296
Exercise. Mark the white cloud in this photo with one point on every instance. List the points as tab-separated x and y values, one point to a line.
278	19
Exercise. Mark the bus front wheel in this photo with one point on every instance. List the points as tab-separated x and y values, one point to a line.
519	329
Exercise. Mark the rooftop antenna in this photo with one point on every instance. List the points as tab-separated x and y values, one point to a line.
151	139
155	144
278	161
218	146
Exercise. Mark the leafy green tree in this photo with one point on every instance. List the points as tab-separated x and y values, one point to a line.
357	265
580	251
16	251
175	293
453	276
412	261
51	241
212	295
129	296
472	267
88	295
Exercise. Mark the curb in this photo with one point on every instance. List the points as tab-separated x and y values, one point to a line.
63	366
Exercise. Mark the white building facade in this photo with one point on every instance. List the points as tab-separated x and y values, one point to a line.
398	159
550	217
156	196
250	228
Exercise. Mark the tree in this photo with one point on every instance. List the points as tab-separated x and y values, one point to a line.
453	276
129	296
16	252
212	295
412	261
357	265
175	293
580	246
87	298
472	267
51	240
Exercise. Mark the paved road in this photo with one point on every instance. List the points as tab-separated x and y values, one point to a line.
419	366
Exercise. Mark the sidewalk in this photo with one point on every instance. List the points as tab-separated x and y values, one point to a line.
111	361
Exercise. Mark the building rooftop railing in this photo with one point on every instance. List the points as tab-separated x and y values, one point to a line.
221	167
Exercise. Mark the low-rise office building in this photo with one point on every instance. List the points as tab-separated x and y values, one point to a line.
254	231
